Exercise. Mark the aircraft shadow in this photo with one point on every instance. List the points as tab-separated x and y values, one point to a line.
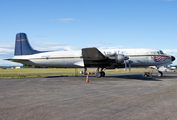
113	77
120	77
57	76
134	77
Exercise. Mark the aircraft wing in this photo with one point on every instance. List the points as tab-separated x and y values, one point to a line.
94	58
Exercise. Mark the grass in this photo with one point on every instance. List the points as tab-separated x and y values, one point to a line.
36	72
44	72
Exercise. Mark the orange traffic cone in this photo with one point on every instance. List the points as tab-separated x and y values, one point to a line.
87	79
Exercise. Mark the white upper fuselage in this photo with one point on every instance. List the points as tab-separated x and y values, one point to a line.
71	59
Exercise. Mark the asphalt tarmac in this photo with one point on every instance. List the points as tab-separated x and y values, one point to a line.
114	97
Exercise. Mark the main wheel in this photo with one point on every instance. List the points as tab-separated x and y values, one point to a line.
98	74
102	74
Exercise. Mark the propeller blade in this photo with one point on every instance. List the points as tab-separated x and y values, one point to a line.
129	68
125	65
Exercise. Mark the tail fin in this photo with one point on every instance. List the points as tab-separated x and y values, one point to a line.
22	46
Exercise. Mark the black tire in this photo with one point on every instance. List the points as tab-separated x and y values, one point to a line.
102	74
160	74
98	74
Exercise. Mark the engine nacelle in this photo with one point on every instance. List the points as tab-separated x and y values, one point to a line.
119	58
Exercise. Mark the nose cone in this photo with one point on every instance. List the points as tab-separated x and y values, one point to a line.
172	58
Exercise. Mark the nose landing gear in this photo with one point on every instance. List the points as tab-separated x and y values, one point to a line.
160	74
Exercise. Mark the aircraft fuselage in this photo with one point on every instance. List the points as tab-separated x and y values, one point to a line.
73	59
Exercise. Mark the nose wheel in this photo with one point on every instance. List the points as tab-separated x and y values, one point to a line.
160	74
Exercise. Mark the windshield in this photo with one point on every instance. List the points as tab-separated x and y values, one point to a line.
161	52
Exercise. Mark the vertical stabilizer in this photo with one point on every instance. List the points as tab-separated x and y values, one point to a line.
22	46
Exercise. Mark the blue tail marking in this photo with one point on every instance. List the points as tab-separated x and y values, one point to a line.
22	46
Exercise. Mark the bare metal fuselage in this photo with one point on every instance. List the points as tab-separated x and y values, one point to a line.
73	59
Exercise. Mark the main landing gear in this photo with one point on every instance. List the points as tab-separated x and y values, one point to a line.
98	73
101	73
149	74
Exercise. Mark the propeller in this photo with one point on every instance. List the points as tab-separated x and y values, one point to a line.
127	60
125	64
129	68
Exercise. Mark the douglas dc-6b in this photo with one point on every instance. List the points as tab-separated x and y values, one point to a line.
89	57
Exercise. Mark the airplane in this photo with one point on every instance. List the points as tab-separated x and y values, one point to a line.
89	57
164	68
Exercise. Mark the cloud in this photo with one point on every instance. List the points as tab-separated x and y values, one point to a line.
67	20
48	43
105	43
6	51
8	63
51	46
108	48
170	51
6	48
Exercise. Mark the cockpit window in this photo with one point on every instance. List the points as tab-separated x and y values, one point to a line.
161	52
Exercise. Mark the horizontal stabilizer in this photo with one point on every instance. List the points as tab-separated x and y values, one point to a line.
17	60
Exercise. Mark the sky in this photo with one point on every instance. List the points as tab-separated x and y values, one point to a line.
76	24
